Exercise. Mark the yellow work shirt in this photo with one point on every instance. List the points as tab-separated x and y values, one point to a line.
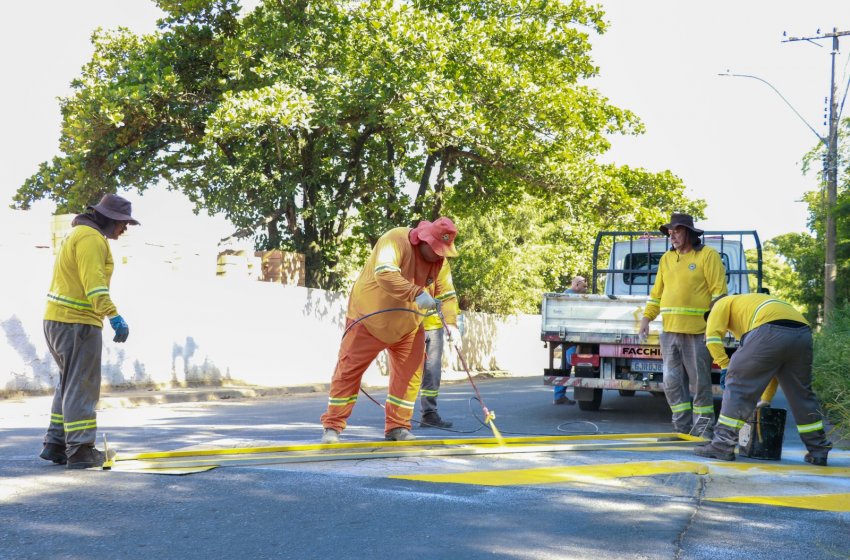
447	299
79	291
739	315
394	274
684	287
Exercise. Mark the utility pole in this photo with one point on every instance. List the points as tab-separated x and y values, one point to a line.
831	176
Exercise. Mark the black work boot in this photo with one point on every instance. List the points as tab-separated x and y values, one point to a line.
86	457
712	451
433	420
55	453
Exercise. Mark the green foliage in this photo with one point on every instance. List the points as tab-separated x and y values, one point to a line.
805	253
512	253
305	122
830	379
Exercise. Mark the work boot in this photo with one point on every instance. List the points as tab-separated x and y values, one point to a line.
400	434
433	420
55	453
563	400
817	461
330	436
712	452
87	457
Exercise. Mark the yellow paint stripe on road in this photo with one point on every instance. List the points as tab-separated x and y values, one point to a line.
553	475
820	502
755	468
511	442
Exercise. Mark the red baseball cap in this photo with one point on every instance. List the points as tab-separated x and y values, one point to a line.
439	235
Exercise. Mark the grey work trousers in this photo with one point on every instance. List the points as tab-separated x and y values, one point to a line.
766	352
432	372
687	373
77	350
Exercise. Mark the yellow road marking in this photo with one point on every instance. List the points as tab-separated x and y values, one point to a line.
552	475
821	502
784	469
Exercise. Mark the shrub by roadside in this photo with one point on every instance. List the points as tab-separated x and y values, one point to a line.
831	370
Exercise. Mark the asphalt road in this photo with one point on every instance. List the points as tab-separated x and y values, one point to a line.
353	509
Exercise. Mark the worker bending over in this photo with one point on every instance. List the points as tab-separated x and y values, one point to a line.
776	341
403	263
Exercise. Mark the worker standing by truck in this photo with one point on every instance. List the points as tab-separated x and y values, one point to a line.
776	342
690	276
577	286
73	325
385	312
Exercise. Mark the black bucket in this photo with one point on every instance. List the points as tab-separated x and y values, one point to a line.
761	436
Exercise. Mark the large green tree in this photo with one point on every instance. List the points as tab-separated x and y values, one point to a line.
320	124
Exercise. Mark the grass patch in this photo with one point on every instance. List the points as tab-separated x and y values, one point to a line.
831	370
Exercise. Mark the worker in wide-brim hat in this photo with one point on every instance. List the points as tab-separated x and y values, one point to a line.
404	278
690	276
77	303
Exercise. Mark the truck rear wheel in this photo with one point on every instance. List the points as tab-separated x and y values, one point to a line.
593	404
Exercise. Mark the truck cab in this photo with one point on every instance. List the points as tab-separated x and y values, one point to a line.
603	325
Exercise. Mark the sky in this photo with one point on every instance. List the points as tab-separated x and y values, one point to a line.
733	141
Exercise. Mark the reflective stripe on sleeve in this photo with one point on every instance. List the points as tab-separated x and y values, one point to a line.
386	268
97	291
57	419
713	340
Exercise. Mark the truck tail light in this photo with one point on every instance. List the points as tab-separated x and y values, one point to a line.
586	360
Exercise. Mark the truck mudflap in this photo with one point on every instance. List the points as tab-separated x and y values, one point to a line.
621	384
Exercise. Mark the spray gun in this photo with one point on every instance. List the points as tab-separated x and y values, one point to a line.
489	416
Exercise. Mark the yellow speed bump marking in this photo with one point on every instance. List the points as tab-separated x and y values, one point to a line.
187	461
821	502
507	442
757	468
552	475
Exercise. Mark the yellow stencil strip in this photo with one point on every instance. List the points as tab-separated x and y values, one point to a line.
820	502
552	475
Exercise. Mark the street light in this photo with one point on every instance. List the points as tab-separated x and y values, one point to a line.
830	142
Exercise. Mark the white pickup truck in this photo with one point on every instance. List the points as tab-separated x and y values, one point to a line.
603	325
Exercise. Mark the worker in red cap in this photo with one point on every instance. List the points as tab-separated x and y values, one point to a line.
385	311
77	303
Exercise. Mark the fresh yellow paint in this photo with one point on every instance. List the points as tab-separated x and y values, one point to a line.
820	502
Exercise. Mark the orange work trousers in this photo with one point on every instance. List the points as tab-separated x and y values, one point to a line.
356	352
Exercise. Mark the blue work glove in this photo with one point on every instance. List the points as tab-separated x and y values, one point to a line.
723	378
426	301
121	328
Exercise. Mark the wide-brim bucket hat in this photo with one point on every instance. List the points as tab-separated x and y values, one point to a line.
684	220
115	207
439	235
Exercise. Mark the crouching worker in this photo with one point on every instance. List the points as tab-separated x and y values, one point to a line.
403	263
776	341
73	324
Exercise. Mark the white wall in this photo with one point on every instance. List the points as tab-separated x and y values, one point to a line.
187	326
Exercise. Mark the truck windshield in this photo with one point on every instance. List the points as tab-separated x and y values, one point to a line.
638	262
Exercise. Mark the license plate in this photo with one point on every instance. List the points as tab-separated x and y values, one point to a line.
648	366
